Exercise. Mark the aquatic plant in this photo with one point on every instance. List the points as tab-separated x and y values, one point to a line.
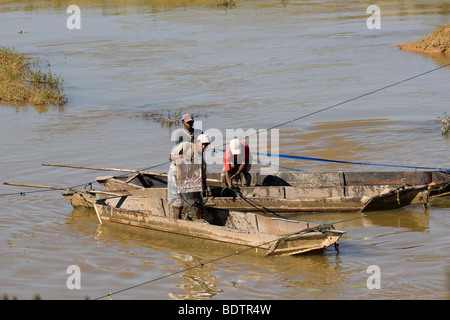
445	122
22	82
225	3
166	120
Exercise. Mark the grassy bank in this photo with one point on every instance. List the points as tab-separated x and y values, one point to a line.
438	42
23	83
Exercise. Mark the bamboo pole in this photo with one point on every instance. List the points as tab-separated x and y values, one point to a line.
107	193
33	186
115	169
105	169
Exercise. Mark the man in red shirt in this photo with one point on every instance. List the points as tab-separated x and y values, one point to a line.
236	164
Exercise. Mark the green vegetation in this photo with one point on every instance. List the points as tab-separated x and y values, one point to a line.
23	83
166	120
437	42
445	122
225	3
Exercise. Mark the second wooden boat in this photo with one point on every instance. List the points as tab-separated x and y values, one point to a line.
273	236
295	192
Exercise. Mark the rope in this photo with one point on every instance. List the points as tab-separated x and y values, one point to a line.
359	97
48	190
327	108
287	156
344	102
253	203
292	120
283	167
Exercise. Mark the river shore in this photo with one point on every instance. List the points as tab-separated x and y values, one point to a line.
438	42
22	82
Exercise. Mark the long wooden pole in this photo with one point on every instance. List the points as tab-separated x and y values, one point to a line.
33	186
108	193
105	169
115	169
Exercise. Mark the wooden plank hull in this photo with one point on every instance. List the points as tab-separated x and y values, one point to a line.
272	236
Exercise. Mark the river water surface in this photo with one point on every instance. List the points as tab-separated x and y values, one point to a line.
256	64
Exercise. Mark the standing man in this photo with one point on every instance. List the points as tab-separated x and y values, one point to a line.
236	164
186	176
187	133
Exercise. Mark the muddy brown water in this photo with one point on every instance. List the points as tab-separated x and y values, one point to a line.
256	65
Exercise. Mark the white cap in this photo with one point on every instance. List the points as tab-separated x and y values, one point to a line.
203	138
235	146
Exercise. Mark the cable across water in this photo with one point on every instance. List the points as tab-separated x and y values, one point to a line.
296	119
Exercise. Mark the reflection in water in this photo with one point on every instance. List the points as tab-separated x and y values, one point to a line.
416	219
439	59
197	282
353	140
413	218
441	202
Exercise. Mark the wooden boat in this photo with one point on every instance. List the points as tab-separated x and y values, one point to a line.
312	179
273	236
297	192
